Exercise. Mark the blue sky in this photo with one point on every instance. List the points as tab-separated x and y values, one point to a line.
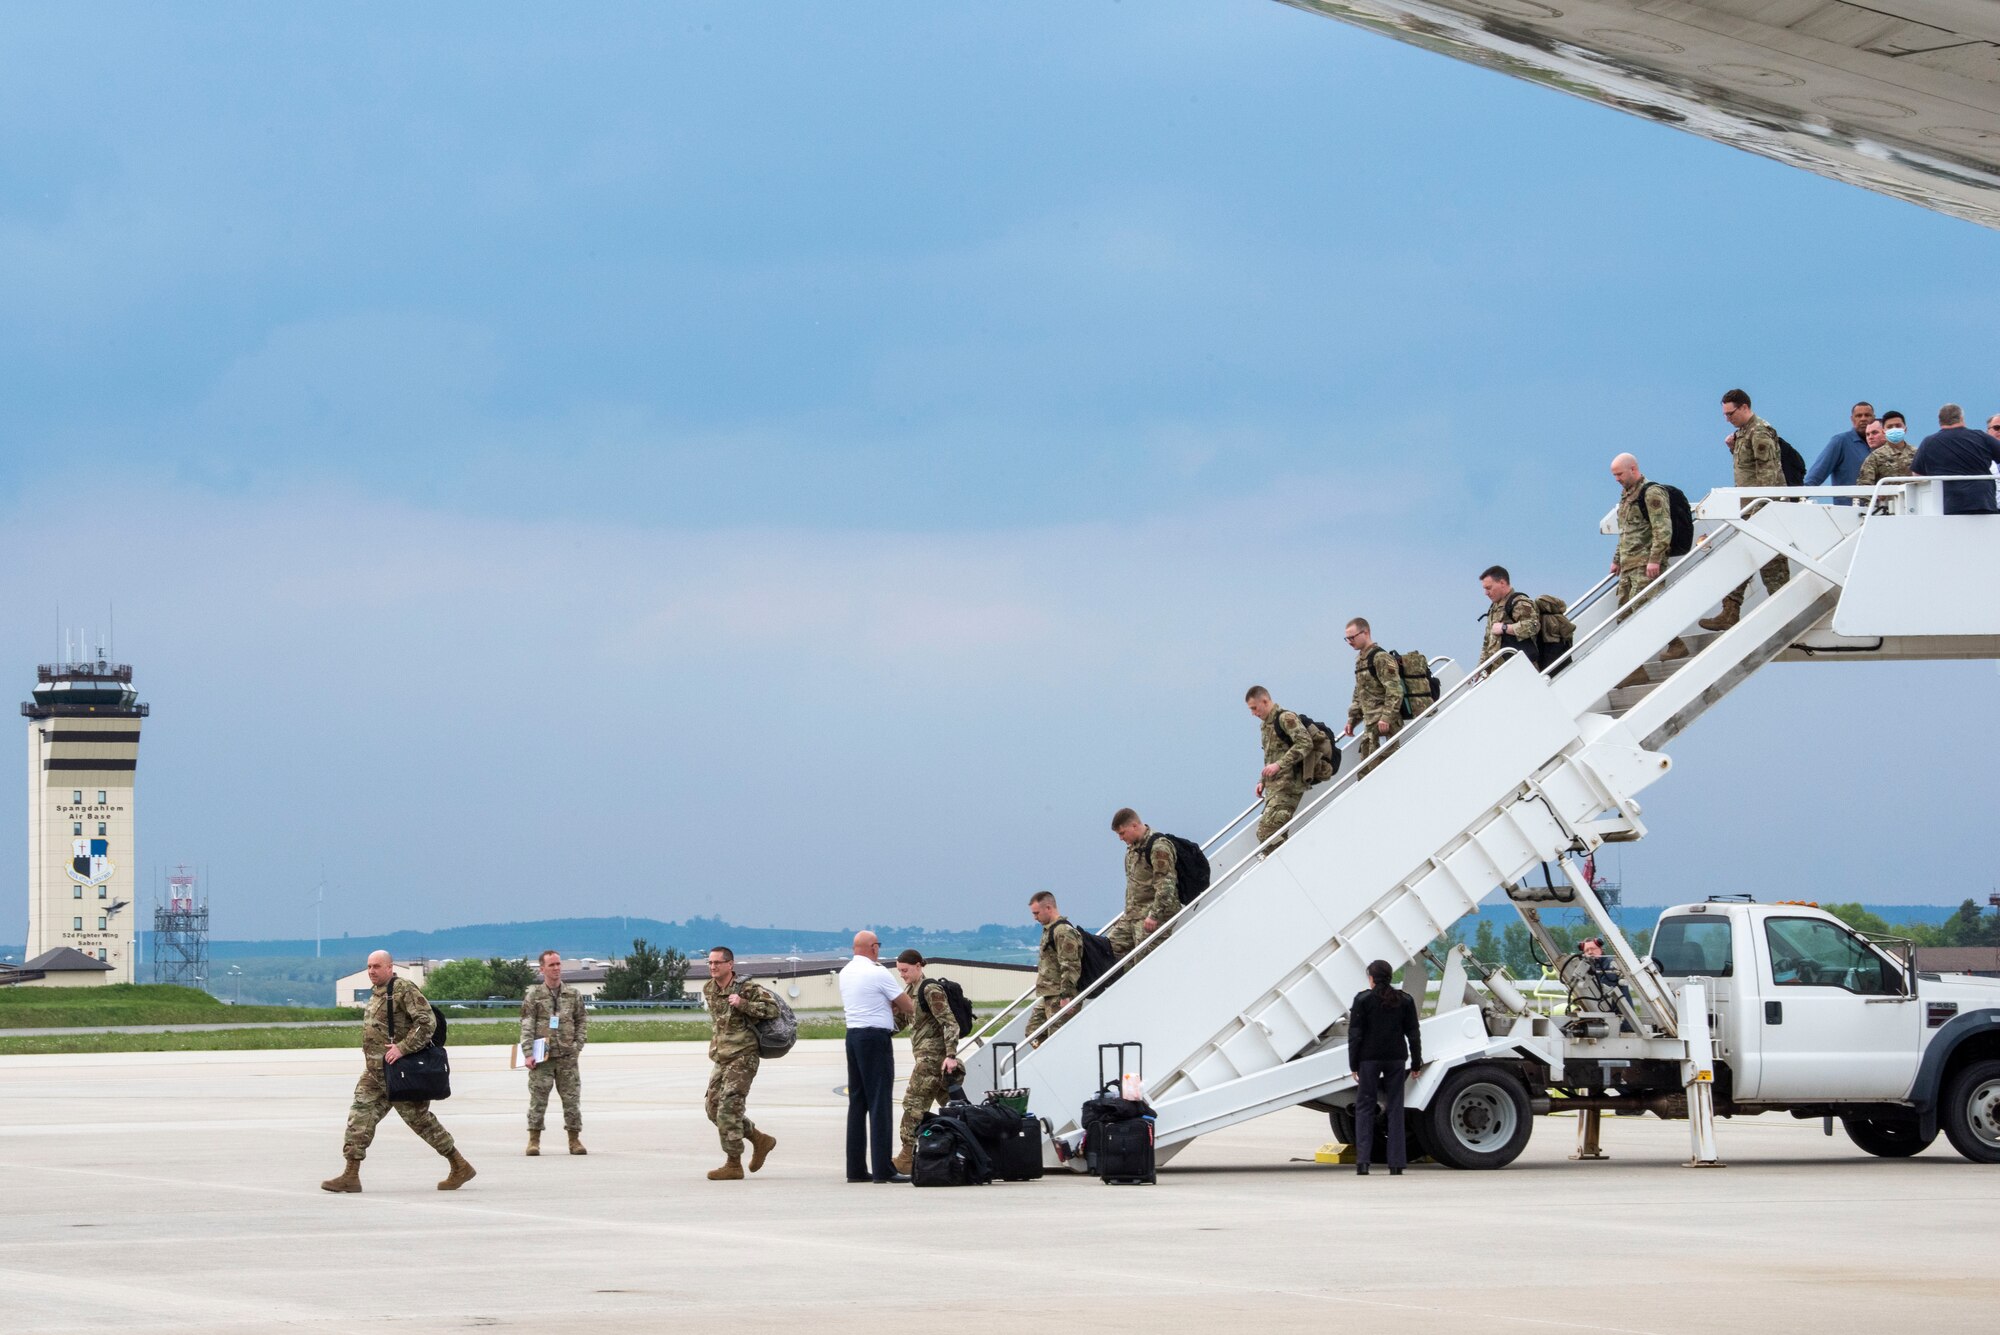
811	465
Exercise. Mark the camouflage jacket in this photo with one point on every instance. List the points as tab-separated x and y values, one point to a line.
1887	461
1059	968
1645	526
1518	610
733	1032
1378	687
565	1039
414	1021
933	1028
1152	886
1289	757
1759	461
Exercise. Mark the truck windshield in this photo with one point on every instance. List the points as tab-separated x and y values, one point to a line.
1693	948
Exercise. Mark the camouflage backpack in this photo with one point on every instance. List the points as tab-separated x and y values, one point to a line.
1558	631
1420	684
1324	762
777	1035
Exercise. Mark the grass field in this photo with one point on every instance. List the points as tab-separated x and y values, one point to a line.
464	1034
137	1003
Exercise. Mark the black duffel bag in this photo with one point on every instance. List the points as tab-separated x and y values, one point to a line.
423	1076
949	1154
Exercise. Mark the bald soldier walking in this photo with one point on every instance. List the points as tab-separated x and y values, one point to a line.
734	1007
411	1015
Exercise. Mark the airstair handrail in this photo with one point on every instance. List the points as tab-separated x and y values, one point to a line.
1222	884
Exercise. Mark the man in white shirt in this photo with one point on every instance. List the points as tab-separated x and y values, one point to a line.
876	1007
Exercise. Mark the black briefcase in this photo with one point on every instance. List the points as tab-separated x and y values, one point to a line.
423	1076
1017	1147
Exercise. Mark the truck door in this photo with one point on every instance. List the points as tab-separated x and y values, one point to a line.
1838	1020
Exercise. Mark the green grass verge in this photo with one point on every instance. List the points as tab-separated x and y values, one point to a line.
464	1034
137	1003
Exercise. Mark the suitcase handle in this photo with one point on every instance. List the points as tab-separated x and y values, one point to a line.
1119	1048
1013	1054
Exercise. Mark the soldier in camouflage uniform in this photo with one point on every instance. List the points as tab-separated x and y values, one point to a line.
734	1006
555	1014
1377	707
1512	619
1759	462
1886	458
1152	884
934	1065
1059	966
1645	530
415	1024
1288	752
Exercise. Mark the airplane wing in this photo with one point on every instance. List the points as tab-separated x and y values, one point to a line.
1897	96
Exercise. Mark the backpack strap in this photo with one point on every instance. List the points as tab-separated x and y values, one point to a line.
1278	726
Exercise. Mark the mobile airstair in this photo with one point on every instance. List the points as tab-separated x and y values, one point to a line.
1241	1000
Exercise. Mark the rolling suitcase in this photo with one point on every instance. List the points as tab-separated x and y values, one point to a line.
1118	1132
1017	1149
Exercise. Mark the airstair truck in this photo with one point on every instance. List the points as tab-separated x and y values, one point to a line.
1241	1000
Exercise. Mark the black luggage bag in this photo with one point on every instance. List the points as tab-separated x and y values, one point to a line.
949	1154
1016	1145
423	1076
1117	1131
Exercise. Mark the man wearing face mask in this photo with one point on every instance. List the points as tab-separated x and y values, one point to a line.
1889	452
1840	462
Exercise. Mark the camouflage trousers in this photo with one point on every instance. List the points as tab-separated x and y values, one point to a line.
1127	932
1633	579
1043	1008
371	1104
1777	572
928	1084
1280	801
728	1090
559	1073
1369	738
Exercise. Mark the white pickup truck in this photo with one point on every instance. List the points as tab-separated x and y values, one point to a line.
1807	1016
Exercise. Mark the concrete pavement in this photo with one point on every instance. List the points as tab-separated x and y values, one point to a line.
177	1191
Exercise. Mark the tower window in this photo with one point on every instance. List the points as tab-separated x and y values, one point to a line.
101	923
100	953
100	801
76	924
79	892
104	892
76	827
76	796
100	829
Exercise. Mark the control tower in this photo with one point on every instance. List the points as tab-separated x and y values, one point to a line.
83	756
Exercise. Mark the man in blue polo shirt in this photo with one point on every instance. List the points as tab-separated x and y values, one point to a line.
1839	464
1956	450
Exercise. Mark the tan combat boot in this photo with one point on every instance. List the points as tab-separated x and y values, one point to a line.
461	1172
347	1181
902	1162
761	1146
534	1144
731	1171
576	1143
1731	613
1676	648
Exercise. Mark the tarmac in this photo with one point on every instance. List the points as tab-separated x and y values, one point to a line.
179	1191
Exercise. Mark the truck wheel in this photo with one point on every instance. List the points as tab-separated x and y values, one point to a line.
1886	1137
1478	1118
1971	1112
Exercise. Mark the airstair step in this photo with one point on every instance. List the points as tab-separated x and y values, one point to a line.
1624	697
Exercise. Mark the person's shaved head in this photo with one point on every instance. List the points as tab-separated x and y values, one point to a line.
381	967
866	943
1625	468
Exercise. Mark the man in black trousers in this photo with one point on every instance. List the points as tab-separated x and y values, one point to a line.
876	1007
1381	1033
